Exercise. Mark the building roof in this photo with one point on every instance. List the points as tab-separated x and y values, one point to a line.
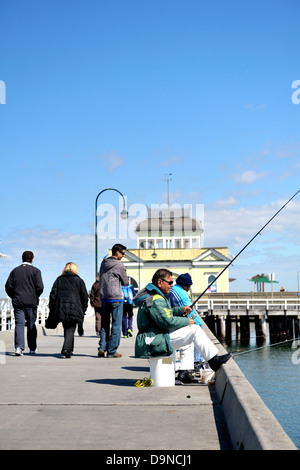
177	225
167	221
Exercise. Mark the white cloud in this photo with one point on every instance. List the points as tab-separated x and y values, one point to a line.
227	202
254	106
172	160
112	161
249	177
276	249
52	250
233	226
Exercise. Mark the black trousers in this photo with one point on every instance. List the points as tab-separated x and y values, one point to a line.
69	330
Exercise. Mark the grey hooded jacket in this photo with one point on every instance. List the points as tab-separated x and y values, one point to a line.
112	276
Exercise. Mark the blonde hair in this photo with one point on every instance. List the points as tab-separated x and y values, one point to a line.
70	267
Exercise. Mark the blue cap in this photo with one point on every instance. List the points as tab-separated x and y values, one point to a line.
184	280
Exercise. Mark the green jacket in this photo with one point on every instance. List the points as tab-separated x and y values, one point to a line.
155	320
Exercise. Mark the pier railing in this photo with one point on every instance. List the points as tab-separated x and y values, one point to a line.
7	319
280	310
249	304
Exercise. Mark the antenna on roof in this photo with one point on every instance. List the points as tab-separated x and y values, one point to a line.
168	179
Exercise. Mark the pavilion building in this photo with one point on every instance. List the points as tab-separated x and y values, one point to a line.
173	239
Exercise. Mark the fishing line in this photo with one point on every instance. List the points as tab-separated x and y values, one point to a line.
246	338
258	233
262	347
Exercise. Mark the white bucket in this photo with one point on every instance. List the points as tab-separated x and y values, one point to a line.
162	371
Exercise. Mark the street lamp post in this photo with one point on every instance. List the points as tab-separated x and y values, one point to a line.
124	215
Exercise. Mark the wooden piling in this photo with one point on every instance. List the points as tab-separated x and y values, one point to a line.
260	326
228	328
245	327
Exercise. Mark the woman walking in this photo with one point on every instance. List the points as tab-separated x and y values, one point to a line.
68	302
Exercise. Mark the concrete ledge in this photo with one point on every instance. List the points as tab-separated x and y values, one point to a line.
251	425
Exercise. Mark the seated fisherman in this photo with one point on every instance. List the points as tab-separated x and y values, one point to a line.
163	329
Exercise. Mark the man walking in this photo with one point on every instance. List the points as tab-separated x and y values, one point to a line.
112	276
24	286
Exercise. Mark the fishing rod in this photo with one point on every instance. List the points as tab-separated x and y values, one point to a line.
250	241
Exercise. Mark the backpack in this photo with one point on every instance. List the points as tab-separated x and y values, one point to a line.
127	294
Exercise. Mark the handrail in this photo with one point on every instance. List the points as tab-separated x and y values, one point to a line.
234	304
7	320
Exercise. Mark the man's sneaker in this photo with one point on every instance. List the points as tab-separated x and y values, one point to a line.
32	353
18	352
129	332
101	353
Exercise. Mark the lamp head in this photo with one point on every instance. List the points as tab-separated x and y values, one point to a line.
124	214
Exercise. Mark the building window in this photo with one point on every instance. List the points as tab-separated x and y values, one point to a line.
177	243
210	279
194	243
186	243
168	243
150	244
159	243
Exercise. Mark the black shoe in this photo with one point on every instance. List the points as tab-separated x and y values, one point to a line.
80	330
186	377
216	362
67	354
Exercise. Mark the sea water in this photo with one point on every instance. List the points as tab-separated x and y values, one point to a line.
274	372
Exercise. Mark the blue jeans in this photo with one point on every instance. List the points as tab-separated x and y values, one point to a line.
110	337
29	314
197	356
127	319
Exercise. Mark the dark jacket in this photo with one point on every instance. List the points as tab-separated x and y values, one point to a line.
25	285
94	295
68	298
112	277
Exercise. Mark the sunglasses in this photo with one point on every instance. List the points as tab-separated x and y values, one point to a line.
168	282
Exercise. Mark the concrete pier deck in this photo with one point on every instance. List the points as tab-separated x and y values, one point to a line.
91	403
87	402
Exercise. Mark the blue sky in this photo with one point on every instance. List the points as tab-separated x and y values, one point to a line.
118	94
